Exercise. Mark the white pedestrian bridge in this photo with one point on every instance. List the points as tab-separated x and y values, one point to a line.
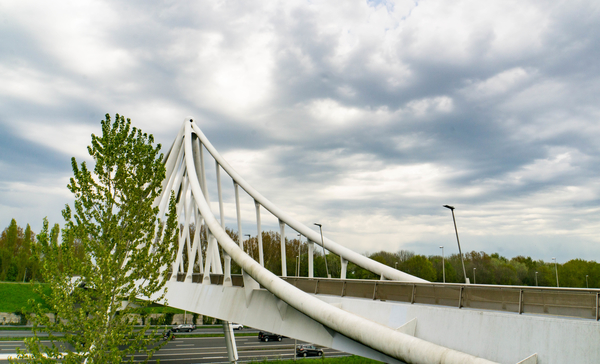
397	319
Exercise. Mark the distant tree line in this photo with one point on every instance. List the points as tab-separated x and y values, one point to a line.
21	256
20	261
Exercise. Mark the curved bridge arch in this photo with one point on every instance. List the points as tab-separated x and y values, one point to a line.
185	175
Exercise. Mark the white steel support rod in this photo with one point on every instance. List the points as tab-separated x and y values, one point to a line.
189	206
238	213
207	262
203	181
261	256
396	344
197	148
282	238
311	256
178	262
344	268
217	267
173	185
195	246
220	192
299	254
354	257
172	159
226	270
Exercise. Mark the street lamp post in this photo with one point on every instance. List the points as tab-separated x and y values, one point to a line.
587	285
248	235
556	269
323	246
458	241
536	279
474	278
443	265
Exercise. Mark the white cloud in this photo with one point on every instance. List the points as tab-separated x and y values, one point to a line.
74	35
497	84
461	31
28	84
421	107
330	111
355	78
71	139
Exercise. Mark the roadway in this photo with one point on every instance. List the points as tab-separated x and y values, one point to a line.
201	330
195	350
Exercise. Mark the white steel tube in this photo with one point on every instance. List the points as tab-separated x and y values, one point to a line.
379	337
311	258
238	212
356	258
172	185
344	268
261	255
203	176
220	192
174	156
282	240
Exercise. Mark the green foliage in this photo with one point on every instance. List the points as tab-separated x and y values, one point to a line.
18	261
113	250
207	320
421	267
169	318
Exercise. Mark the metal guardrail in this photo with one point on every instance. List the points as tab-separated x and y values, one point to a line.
569	302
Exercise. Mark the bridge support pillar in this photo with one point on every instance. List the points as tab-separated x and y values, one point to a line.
227	270
232	353
344	268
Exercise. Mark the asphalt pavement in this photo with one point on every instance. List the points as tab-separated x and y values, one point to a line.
195	350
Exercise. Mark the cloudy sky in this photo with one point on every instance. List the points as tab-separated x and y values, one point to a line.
366	116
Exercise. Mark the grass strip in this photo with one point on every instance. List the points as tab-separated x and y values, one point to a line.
14	297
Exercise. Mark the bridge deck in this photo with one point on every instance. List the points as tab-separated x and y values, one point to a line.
569	302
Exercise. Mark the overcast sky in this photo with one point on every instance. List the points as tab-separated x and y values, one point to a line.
365	116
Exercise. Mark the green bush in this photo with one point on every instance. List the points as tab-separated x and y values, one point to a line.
169	318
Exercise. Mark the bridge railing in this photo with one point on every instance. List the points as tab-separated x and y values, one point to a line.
568	302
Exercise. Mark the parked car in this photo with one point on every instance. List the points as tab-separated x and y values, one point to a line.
268	336
235	326
184	327
308	350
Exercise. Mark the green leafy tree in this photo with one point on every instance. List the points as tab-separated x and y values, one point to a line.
10	242
24	255
421	267
113	251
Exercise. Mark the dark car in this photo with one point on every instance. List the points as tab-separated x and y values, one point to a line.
268	336
308	350
184	327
